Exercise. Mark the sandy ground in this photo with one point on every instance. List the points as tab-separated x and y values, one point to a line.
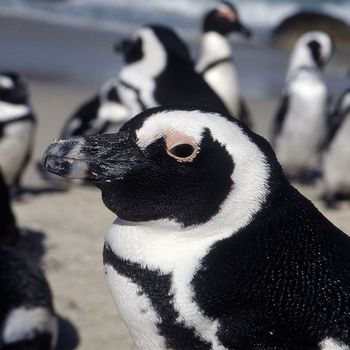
67	229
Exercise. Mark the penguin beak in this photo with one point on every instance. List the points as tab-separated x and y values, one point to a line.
240	28
122	46
98	158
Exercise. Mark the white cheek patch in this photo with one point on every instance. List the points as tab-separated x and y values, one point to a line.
6	82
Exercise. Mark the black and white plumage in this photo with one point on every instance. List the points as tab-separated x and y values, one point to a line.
300	124
17	127
215	58
160	71
9	234
27	318
336	156
97	114
213	249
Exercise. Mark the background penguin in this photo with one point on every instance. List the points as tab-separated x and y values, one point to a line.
336	158
27	318
9	234
97	114
17	126
300	125
160	71
215	58
213	248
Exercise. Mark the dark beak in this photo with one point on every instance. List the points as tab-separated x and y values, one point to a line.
122	46
98	158
240	28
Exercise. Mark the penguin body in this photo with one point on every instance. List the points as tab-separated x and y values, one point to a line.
300	125
213	249
336	164
160	71
97	114
17	127
215	58
9	234
27	317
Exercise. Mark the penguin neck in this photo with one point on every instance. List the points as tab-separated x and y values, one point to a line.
10	112
301	58
152	63
214	47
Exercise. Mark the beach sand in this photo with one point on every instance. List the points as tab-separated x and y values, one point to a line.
66	228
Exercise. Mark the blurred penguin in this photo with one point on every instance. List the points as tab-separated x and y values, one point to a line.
215	59
27	317
17	126
336	158
96	115
9	234
160	71
300	125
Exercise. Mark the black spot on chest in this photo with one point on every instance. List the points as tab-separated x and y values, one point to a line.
157	288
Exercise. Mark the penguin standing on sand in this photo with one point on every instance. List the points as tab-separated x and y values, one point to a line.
215	58
27	317
17	126
97	114
212	249
300	125
160	71
336	157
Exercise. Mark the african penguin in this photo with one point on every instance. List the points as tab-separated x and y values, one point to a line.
300	124
215	59
160	71
336	157
27	318
17	127
212	249
9	234
98	113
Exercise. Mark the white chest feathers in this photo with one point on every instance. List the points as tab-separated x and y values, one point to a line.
304	127
220	75
14	147
152	289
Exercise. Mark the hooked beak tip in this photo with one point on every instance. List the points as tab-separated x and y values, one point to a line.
64	158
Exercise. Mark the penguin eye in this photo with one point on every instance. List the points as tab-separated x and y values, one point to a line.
183	152
181	147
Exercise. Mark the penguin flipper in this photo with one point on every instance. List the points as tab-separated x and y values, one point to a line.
279	117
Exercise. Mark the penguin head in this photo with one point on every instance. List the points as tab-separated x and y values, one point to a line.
224	19
312	49
148	40
13	89
184	166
